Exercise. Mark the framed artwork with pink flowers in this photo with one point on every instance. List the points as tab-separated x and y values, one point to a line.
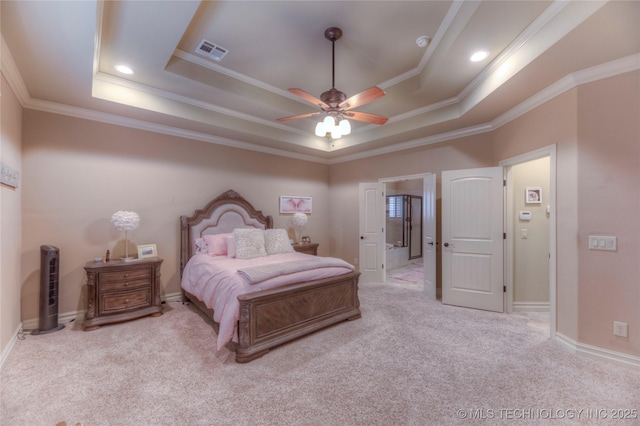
295	204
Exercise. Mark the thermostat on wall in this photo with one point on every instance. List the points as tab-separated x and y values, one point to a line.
525	215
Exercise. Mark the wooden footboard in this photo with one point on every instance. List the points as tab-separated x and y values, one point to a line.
272	317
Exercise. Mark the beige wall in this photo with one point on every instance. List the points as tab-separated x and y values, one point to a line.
596	132
609	204
531	254
555	122
10	217
80	172
344	178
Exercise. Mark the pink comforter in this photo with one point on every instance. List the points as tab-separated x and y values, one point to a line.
216	282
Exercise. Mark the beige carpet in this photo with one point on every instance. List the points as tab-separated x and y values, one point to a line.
407	361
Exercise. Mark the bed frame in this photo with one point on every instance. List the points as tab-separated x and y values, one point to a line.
272	317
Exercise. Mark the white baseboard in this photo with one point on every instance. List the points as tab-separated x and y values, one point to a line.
625	360
12	342
32	324
173	297
530	306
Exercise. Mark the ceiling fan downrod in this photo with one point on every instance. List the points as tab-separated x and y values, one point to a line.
333	96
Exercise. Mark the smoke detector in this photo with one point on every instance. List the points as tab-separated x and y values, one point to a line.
211	50
423	41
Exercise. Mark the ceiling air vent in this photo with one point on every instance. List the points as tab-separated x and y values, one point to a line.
211	50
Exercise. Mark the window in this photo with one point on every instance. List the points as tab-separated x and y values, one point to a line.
395	205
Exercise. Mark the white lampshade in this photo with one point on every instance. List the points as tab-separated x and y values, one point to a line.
336	133
321	129
345	127
329	122
125	221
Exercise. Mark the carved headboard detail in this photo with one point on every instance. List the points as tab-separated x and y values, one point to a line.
225	213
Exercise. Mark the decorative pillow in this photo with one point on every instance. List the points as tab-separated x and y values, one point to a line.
277	241
231	246
217	244
201	246
249	243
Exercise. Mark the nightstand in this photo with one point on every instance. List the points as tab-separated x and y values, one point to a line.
308	248
120	291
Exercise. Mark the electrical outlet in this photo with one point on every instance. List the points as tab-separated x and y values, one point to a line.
524	233
620	329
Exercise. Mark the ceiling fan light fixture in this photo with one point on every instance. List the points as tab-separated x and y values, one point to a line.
334	104
345	127
329	122
321	131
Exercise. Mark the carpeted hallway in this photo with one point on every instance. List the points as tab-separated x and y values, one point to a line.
407	361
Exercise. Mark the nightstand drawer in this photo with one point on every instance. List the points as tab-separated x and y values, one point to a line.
124	285
112	303
125	275
120	291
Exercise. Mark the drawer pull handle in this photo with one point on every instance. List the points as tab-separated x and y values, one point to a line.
126	284
126	301
126	275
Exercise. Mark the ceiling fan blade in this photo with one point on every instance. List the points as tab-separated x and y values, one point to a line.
365	117
295	117
364	97
309	98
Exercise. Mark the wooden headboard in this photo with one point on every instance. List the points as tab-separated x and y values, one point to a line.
220	216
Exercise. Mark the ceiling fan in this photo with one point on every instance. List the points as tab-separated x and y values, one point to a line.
334	104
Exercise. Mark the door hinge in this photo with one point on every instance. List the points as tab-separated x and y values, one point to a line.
504	235
504	182
504	288
383	266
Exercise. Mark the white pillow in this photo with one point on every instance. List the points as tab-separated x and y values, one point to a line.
249	243
277	241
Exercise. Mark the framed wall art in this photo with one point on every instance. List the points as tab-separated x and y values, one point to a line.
295	204
533	195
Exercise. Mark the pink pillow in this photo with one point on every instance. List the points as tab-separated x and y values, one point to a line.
217	244
231	246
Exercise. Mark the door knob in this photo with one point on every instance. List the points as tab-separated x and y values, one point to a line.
446	244
361	237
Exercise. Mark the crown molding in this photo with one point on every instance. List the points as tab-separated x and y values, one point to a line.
12	74
595	73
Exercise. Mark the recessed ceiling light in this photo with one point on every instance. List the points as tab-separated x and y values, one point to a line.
478	56
123	69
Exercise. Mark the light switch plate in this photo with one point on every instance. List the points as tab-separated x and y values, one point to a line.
601	242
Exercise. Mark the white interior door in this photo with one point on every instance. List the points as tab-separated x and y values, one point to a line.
472	235
429	243
371	223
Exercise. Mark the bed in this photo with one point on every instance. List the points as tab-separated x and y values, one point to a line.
261	316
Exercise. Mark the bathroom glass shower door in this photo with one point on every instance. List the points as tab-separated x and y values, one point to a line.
413	223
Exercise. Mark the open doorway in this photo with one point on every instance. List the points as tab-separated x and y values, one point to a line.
404	232
530	246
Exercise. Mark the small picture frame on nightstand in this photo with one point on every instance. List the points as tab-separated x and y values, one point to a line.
147	250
